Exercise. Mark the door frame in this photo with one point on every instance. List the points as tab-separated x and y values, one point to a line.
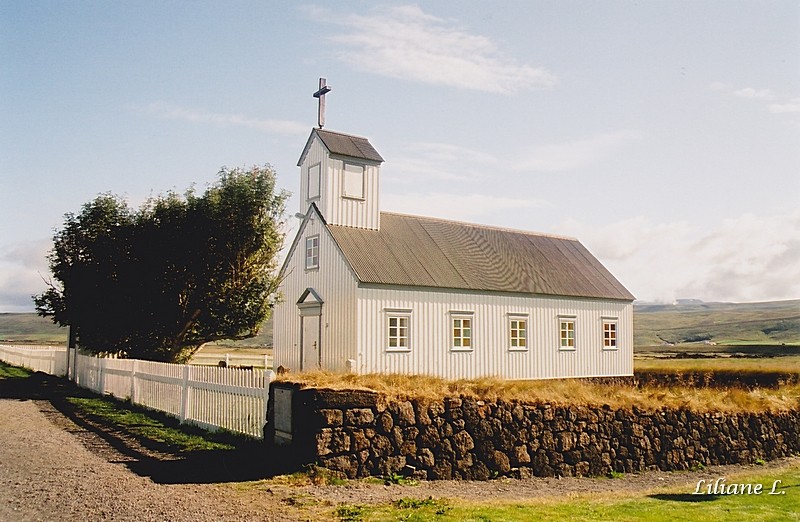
310	308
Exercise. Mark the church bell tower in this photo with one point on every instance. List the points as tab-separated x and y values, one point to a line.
340	174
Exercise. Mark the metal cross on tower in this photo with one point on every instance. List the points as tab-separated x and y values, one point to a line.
324	89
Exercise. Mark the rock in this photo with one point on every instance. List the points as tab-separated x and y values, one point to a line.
385	423
359	441
405	414
498	461
425	458
346	464
380	446
462	443
359	417
520	455
329	418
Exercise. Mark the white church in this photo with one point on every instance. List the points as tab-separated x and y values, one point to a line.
367	291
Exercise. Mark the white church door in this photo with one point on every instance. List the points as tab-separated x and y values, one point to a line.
310	307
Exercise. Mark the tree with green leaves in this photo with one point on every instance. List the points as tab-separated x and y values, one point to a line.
158	282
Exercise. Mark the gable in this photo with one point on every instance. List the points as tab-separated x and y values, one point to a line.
313	211
426	252
310	297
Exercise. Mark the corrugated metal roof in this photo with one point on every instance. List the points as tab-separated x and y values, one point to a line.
344	145
427	252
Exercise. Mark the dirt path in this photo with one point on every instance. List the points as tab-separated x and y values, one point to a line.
53	465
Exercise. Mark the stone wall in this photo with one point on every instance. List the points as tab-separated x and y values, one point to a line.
360	433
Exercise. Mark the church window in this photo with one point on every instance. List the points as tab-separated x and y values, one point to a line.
609	334
518	332
567	333
353	181
313	181
398	330
462	331
312	252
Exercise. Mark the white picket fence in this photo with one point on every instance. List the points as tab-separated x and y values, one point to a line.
47	359
232	359
206	396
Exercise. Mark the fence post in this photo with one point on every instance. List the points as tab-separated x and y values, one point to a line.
266	361
269	376
185	394
101	380
227	360
133	380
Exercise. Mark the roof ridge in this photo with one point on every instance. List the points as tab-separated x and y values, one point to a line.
341	133
490	227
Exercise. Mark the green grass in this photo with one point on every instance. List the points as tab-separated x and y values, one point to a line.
665	505
146	426
13	372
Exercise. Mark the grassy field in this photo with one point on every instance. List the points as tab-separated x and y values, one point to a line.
772	323
660	505
765	364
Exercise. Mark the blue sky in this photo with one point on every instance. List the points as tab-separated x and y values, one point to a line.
664	135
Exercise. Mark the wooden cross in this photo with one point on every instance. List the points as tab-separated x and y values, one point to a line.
324	89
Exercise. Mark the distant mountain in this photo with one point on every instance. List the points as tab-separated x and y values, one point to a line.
767	323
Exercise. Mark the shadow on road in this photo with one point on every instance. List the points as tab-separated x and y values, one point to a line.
249	460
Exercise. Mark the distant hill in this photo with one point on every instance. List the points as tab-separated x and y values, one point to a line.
657	325
769	323
31	329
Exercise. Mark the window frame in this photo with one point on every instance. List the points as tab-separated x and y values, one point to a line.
564	319
462	316
318	167
345	194
512	318
610	321
314	252
399	314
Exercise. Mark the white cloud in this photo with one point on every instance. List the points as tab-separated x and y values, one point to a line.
174	112
22	269
792	105
748	258
458	207
754	94
778	105
406	43
576	154
418	162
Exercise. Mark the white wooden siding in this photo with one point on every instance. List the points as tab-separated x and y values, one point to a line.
357	213
431	336
317	155
336	285
338	210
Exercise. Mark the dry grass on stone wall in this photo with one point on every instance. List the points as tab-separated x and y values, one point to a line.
559	392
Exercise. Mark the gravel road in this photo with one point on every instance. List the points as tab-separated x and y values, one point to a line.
48	473
55	467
